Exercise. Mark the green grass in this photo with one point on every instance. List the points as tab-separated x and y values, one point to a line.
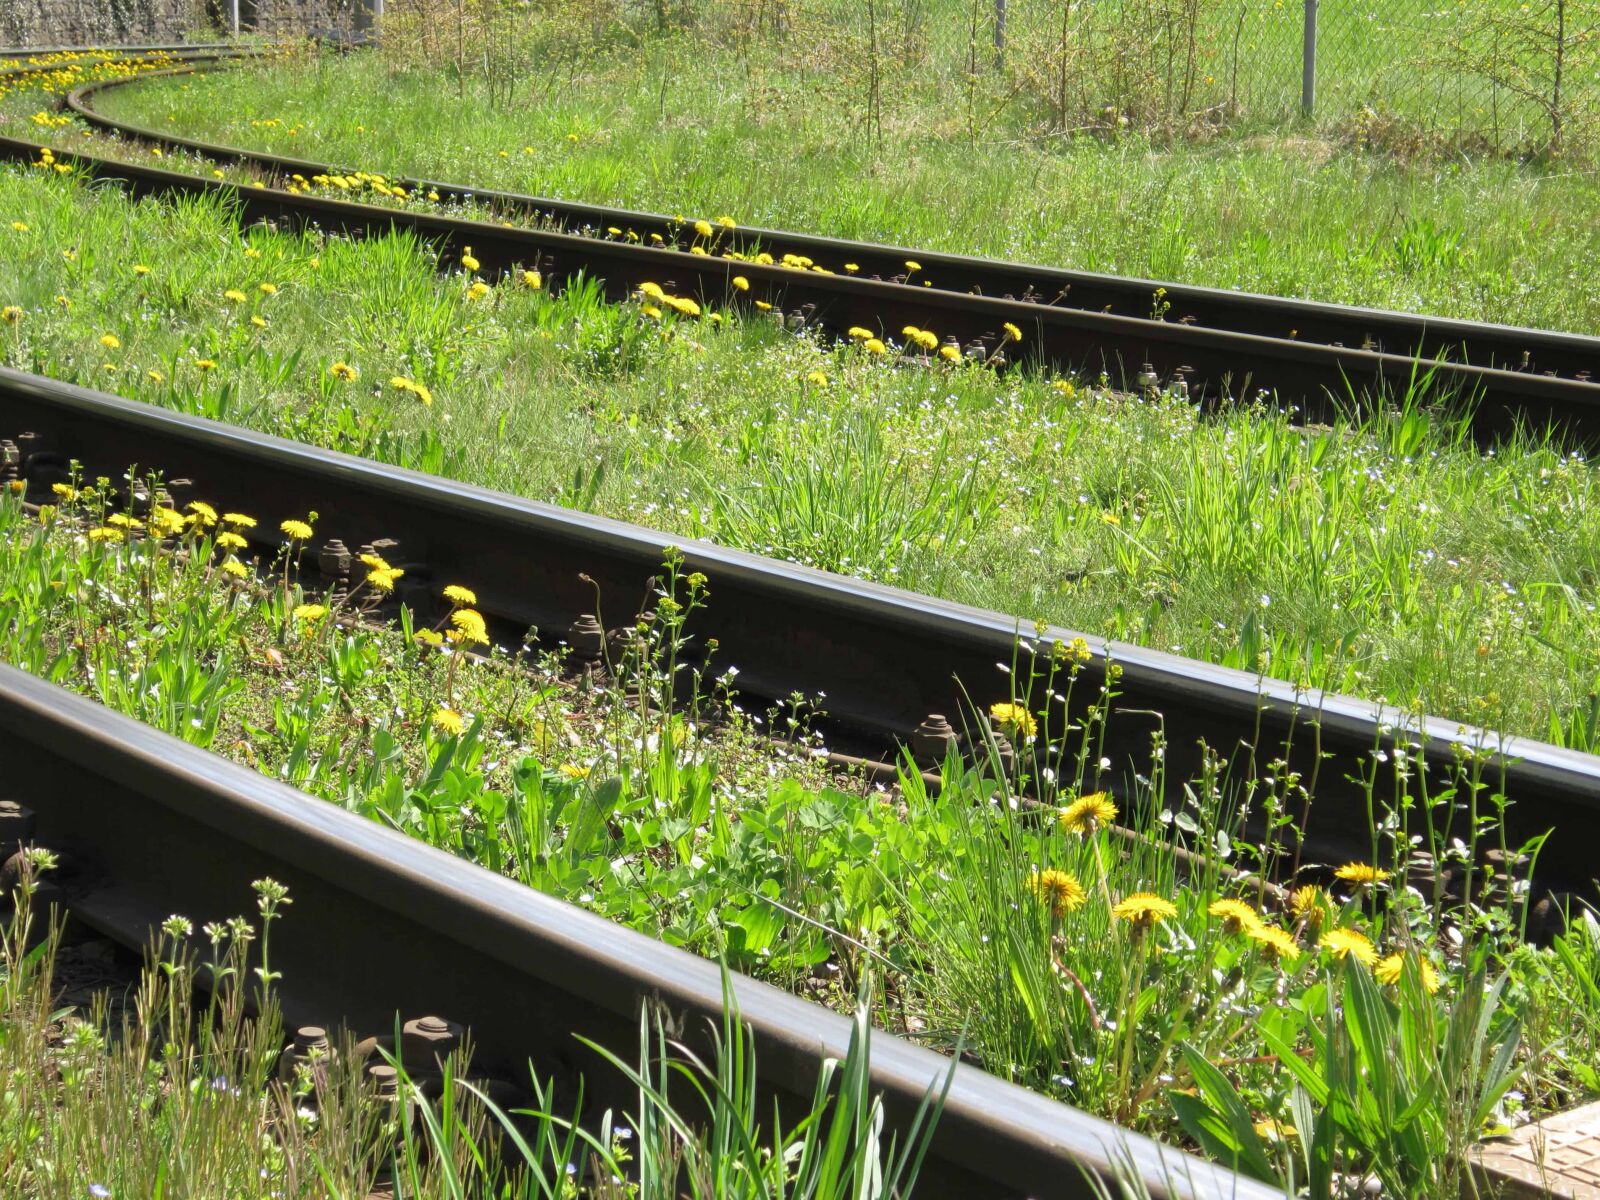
678	126
1059	953
1389	559
184	1093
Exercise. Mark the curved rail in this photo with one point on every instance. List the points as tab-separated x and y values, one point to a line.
1472	342
1216	364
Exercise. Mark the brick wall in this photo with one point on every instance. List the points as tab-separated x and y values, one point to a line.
110	22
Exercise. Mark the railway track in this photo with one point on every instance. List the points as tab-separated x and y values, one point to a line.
1220	345
383	924
886	661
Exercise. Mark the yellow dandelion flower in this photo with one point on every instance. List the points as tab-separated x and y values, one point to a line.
11	314
726	222
927	339
110	341
234	296
470	626
20	226
1236	916
763	306
344	372
912	265
468	261
1360	873
429	637
448	721
1088	813
1347	943
167	521
817	378
1144	909
703	228
65	490
573	771
950	353
1391	969
651	311
236	568
461	597
297	531
124	521
1278	942
1308	904
1013	720
238	520
140	269
204	514
231	541
741	283
653	290
258	321
105	533
857	333
1060	888
383	579
874	346
205	364
851	268
310	612
532	280
478	290
910	333
267	289
1013	334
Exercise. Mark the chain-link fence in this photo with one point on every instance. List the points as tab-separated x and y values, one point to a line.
1497	75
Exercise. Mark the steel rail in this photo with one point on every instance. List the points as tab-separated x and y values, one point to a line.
883	659
1220	364
381	923
26	52
1409	335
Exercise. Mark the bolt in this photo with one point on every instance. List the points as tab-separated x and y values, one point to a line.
10	460
309	1040
334	562
795	322
1147	378
932	741
428	1040
386	1079
587	638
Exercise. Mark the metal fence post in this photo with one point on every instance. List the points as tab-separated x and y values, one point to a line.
1308	63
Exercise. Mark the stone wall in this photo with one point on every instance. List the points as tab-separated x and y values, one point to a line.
113	22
